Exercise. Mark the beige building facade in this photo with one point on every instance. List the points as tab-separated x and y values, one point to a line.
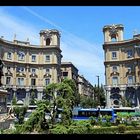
122	67
68	70
29	68
85	87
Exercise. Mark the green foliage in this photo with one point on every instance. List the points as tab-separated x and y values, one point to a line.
73	91
132	132
36	121
99	95
66	116
99	121
92	120
14	100
121	128
87	102
107	121
98	99
59	129
77	130
118	120
32	99
134	123
20	112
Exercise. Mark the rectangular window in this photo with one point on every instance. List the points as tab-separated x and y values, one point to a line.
114	68
8	80
130	79
114	80
129	54
65	74
47	70
20	81
129	68
33	58
8	68
20	69
114	55
9	55
33	82
47	81
33	70
47	58
21	55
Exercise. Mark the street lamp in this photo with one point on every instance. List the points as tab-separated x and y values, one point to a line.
98	80
98	89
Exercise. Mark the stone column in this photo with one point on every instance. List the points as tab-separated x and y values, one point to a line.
27	98
40	93
108	101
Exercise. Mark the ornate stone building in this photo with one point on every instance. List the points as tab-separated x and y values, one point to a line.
122	67
29	68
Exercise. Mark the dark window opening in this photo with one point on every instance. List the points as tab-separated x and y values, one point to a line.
33	82
48	41
65	73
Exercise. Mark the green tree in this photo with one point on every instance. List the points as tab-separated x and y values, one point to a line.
51	97
19	113
14	100
37	121
125	102
57	95
32	99
67	99
69	87
87	102
99	95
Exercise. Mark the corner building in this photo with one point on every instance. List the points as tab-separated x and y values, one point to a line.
29	68
122	67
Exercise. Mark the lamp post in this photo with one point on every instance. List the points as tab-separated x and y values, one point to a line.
98	80
98	89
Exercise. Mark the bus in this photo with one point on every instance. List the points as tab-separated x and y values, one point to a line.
124	110
133	112
85	114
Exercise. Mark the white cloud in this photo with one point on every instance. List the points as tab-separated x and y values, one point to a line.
9	25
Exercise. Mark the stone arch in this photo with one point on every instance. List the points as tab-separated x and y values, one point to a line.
138	95
115	90
21	94
48	41
33	91
10	94
116	102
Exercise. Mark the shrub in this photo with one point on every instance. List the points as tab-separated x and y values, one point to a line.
121	128
59	129
132	132
134	123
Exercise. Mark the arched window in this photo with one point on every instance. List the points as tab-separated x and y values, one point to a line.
21	55
48	41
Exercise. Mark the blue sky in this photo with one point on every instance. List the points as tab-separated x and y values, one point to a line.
80	28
